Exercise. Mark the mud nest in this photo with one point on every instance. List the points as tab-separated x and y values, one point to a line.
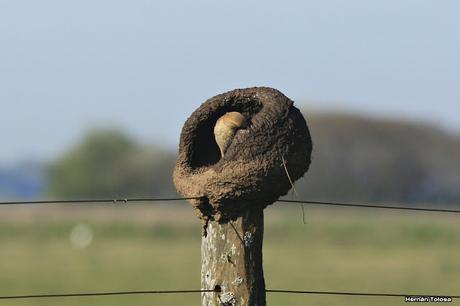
252	173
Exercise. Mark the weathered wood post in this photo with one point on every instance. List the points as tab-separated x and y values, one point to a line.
234	165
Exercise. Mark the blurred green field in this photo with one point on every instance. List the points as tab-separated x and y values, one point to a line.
157	248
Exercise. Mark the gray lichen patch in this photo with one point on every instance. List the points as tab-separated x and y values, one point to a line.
238	281
228	299
247	238
233	249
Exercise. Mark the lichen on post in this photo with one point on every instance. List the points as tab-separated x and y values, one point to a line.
234	152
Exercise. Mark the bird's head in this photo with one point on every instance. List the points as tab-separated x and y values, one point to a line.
233	120
226	127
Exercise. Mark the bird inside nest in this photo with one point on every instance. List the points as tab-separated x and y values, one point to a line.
226	128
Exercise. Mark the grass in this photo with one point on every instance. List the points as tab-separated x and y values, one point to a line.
148	248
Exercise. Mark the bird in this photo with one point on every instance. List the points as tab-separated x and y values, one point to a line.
226	128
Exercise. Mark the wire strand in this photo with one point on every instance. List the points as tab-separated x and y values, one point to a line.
83	294
344	293
127	200
113	201
373	206
357	293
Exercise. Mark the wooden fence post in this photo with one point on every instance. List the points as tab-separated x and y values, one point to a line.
231	258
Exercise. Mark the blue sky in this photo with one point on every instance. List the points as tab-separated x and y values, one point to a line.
66	66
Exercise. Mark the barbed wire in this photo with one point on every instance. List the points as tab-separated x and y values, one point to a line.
218	290
128	200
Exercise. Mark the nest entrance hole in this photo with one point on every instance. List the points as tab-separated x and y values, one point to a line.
204	149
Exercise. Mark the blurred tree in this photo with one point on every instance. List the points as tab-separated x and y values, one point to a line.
365	159
107	163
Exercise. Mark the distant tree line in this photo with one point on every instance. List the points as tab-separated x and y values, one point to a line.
108	163
364	159
354	159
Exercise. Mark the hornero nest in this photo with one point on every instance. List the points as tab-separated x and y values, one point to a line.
273	149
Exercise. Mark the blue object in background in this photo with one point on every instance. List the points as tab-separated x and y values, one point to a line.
24	181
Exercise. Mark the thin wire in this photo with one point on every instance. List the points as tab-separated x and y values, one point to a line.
113	201
373	206
126	200
357	293
88	294
62	295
